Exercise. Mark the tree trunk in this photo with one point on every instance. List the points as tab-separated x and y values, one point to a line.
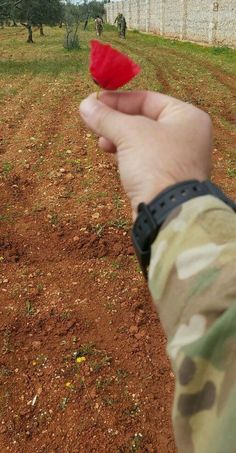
30	34
14	23
41	30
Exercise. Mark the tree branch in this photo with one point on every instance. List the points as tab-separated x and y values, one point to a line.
7	4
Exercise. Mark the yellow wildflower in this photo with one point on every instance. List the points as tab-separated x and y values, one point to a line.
80	359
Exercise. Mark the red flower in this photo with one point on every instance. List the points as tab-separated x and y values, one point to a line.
110	68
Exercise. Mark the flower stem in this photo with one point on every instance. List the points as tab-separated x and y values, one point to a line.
98	92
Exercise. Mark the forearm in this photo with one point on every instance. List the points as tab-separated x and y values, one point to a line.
192	278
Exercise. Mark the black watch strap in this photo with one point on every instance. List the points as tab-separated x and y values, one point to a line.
151	216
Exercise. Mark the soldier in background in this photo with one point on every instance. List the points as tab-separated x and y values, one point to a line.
118	22
99	25
123	27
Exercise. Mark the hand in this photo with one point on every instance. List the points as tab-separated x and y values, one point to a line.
159	140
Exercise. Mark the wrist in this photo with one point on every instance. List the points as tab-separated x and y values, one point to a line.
152	216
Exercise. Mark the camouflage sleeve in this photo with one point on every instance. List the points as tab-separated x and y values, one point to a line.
192	278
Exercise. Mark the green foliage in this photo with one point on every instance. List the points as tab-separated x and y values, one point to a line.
36	12
6	168
71	18
8	10
31	13
91	9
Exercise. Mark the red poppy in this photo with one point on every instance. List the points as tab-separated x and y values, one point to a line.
110	68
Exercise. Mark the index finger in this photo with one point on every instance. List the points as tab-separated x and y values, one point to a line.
146	103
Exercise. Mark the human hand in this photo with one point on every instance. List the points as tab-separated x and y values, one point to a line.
159	140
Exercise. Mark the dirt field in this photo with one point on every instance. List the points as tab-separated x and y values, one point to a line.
83	367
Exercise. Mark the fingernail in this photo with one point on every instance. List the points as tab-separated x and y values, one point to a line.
87	107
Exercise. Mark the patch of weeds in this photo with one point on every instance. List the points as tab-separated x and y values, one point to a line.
68	193
136	442
82	382
6	168
109	401
112	275
111	307
137	267
62	154
91	196
4	217
76	164
103	383
88	182
220	50
16	290
98	229
117	201
38	163
120	223
4	371
54	219
117	265
65	315
63	403
97	365
30	309
121	374
84	350
231	172
39	287
38	208
7	346
132	411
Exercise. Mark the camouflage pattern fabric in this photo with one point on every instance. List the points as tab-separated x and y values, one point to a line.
118	21
98	26
192	278
122	27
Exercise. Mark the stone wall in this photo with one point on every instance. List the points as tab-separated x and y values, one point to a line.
207	21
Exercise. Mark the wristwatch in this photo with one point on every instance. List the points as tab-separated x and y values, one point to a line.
151	216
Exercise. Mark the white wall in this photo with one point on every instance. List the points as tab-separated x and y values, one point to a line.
208	21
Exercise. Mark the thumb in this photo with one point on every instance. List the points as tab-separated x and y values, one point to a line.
103	120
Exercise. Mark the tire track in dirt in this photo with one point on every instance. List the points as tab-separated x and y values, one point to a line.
22	108
16	184
169	73
222	76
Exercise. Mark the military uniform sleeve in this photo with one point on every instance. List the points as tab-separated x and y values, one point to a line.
192	278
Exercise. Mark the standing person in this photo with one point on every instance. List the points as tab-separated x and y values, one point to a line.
99	26
185	238
118	22
123	27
